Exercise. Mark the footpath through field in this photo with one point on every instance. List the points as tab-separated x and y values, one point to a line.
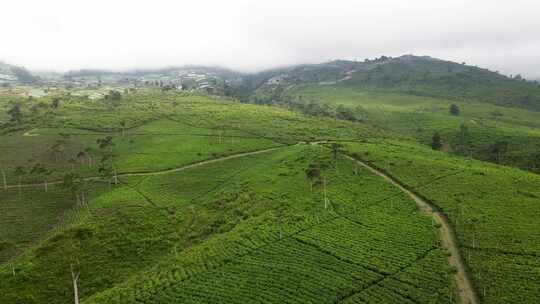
466	291
463	282
160	172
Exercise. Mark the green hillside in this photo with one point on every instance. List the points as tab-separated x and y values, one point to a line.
509	136
495	118
161	196
492	208
413	75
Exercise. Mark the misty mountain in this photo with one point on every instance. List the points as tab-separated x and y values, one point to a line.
415	75
15	74
169	71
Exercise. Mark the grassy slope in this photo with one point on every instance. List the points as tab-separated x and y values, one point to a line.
161	131
492	208
432	77
177	220
253	255
228	220
421	76
155	145
153	219
421	117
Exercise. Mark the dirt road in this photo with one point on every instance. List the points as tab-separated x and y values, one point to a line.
166	171
465	288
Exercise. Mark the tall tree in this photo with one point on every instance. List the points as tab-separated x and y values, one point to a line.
463	136
436	141
4	179
88	152
75	280
57	149
81	157
55	103
20	172
3	175
107	167
336	149
41	172
498	150
78	186
15	113
535	161
123	126
313	174
454	110
105	143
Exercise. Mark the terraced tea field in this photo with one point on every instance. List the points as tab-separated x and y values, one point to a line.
474	132
492	208
184	198
283	248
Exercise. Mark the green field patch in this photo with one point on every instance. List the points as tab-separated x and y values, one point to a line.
492	208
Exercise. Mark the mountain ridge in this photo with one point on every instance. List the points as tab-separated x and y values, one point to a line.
410	74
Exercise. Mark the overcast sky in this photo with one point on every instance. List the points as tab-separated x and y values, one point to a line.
253	35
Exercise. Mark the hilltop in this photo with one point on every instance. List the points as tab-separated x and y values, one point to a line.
415	75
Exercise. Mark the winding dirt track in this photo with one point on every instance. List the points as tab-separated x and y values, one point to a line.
465	288
160	172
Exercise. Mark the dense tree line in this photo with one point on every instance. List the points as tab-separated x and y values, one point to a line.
311	107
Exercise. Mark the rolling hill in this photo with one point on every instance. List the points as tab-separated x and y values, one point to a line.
415	75
319	183
496	119
175	197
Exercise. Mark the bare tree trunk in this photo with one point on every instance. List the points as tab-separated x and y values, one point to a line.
4	179
75	279
324	192
83	198
115	176
13	269
46	186
280	230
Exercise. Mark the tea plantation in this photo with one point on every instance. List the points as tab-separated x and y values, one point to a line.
172	197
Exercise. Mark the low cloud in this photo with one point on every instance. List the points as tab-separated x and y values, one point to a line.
255	35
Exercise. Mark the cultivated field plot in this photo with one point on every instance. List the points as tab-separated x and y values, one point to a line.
493	209
27	215
158	146
250	229
474	132
149	136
